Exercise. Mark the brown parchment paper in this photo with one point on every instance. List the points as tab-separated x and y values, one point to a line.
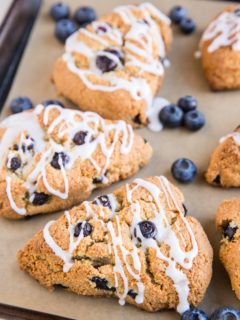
185	76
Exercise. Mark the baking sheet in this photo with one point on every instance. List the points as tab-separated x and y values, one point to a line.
185	76
4	7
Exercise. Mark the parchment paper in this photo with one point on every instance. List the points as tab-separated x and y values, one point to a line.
185	76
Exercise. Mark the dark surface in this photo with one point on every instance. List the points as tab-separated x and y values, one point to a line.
14	34
14	313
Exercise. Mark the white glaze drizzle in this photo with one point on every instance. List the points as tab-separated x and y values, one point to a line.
65	255
223	31
20	211
67	122
166	234
154	123
234	135
138	49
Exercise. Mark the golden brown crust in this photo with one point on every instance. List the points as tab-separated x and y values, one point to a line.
80	176
228	216
222	66
92	257
117	104
224	165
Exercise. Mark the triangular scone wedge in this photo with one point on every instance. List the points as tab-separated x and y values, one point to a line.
228	222
224	166
52	158
136	244
115	65
220	50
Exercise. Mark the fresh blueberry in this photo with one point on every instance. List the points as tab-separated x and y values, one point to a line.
132	294
87	229
85	15
39	198
106	64
52	101
187	103
184	170
229	231
187	26
56	157
59	11
148	229
171	116
97	180
177	14
79	137
102	29
117	53
104	201
15	163
20	104
225	313
64	28
194	314
102	283
194	120
30	142
137	119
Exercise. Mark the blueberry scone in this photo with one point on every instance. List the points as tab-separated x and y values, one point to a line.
136	244
115	65
224	166
220	50
228	221
52	158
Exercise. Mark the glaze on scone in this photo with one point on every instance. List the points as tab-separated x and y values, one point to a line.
220	50
136	244
224	166
140	36
228	222
52	158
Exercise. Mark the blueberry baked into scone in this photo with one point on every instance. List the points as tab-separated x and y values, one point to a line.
136	244
224	166
228	221
52	158
115	65
220	50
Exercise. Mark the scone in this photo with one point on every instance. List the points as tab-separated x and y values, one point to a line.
52	158
136	244
115	65
224	166
228	221
220	50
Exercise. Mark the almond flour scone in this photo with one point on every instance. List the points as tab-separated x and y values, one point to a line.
136	244
228	221
115	66
220	50
224	166
52	158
